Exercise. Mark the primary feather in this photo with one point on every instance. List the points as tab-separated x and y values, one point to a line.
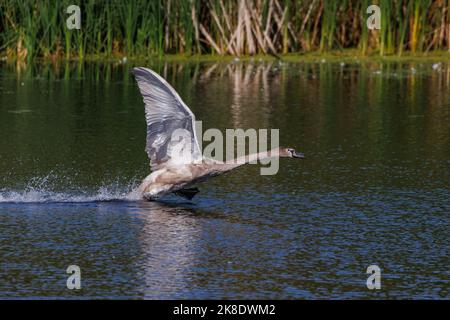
165	112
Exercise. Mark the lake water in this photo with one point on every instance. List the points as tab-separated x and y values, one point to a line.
374	188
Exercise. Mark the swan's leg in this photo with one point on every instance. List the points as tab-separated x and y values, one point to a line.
187	193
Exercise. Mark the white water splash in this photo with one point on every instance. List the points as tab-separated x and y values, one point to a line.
39	190
36	196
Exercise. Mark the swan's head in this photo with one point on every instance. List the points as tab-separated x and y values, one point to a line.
290	153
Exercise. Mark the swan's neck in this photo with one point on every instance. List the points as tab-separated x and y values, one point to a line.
250	158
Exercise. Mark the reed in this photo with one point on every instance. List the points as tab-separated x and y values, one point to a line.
140	28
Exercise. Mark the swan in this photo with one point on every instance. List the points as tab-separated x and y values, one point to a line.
165	113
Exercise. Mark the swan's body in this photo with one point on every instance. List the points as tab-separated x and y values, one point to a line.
172	170
174	179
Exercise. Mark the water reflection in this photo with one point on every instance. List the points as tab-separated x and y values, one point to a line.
374	186
169	240
258	91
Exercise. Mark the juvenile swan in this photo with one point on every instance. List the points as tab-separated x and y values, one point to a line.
172	171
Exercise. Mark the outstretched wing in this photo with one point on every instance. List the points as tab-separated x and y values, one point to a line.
167	115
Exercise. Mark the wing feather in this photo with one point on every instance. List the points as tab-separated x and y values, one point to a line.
165	112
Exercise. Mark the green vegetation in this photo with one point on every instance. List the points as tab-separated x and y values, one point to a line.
116	28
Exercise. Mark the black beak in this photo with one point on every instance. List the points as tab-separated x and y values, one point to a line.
300	155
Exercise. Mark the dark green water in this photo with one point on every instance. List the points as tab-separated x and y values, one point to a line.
374	188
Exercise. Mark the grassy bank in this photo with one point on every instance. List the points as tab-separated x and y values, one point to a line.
313	57
112	29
